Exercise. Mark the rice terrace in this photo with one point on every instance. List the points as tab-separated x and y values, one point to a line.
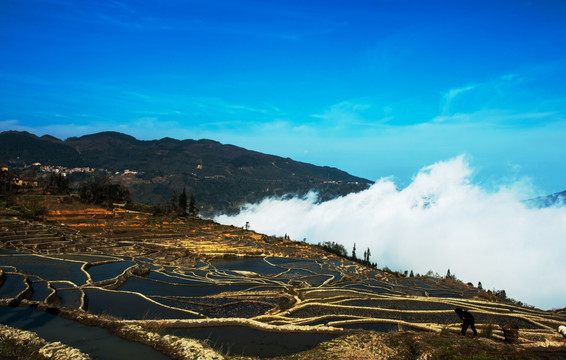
288	180
112	283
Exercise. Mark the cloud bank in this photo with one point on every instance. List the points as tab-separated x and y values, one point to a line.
440	221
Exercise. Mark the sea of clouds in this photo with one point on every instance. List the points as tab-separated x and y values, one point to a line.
440	221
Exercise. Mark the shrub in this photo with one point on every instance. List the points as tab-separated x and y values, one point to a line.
487	331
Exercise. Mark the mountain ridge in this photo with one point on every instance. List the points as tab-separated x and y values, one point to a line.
221	176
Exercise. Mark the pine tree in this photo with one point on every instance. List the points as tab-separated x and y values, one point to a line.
354	252
183	203
193	210
174	201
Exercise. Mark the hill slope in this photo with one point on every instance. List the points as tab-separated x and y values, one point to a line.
249	295
221	177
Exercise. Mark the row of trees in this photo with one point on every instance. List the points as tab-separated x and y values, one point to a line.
340	250
181	205
58	184
365	259
334	248
185	205
103	192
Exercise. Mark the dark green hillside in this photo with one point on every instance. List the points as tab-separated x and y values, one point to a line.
117	152
221	177
23	148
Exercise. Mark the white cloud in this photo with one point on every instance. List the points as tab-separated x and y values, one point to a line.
440	221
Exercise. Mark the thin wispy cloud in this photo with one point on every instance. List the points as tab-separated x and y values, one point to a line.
120	22
159	113
352	116
451	95
502	117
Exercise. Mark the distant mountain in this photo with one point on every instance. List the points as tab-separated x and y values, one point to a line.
25	148
556	199
221	177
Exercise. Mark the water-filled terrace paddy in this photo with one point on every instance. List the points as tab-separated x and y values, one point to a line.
258	294
215	286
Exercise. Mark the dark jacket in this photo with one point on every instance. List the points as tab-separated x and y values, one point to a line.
465	316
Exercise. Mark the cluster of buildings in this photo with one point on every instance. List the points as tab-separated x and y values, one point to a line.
128	172
85	170
15	180
22	181
63	170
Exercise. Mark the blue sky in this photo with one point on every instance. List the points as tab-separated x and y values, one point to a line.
376	88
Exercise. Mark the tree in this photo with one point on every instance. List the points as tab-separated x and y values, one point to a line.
174	202
354	252
183	203
101	191
501	294
57	183
450	276
432	274
411	274
367	254
480	286
193	210
333	247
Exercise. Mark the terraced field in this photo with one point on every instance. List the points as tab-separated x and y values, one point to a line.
245	293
